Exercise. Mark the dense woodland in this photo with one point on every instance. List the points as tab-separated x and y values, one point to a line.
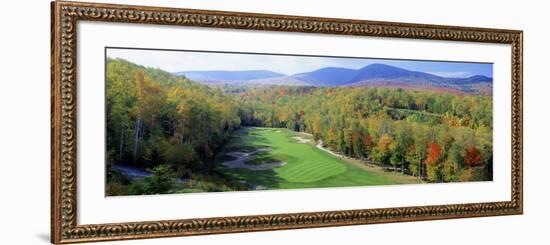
155	118
176	127
439	137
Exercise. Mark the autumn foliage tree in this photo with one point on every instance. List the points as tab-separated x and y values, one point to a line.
383	150
154	117
434	153
473	157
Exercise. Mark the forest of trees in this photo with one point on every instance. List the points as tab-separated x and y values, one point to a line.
439	137
154	117
176	127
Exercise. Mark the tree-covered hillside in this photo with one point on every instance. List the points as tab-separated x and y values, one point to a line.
437	136
154	118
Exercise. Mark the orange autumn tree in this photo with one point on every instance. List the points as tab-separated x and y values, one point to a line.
434	153
368	143
473	157
433	171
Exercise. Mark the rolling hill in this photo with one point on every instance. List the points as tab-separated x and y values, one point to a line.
329	76
374	75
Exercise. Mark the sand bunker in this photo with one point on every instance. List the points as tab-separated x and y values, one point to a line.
321	147
301	140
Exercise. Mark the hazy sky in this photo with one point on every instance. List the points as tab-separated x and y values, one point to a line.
174	61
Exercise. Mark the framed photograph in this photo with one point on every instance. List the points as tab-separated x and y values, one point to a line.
175	122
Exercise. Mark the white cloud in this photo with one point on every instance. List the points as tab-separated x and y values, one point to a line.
454	74
174	61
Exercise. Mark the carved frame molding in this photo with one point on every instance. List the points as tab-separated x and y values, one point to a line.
66	15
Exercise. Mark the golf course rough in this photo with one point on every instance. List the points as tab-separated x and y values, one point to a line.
305	166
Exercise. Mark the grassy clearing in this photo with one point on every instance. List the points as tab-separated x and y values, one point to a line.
306	165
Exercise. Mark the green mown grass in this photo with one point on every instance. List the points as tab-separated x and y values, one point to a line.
306	166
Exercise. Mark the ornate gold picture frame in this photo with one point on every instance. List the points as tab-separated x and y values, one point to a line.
64	107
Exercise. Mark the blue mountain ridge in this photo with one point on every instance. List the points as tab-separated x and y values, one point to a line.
373	74
382	72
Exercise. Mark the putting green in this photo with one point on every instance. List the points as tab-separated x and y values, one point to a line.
306	165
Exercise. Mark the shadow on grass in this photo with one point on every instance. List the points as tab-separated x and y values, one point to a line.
248	140
265	178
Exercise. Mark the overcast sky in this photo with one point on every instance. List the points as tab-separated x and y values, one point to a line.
174	61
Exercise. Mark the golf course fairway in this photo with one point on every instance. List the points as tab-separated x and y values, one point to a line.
294	162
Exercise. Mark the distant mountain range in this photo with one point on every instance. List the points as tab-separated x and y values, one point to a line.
229	75
374	75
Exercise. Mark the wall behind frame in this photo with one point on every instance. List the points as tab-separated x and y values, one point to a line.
25	107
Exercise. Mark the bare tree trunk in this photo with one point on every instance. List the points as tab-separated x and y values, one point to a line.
141	129
137	131
422	170
419	168
402	165
152	130
121	147
173	128
182	132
